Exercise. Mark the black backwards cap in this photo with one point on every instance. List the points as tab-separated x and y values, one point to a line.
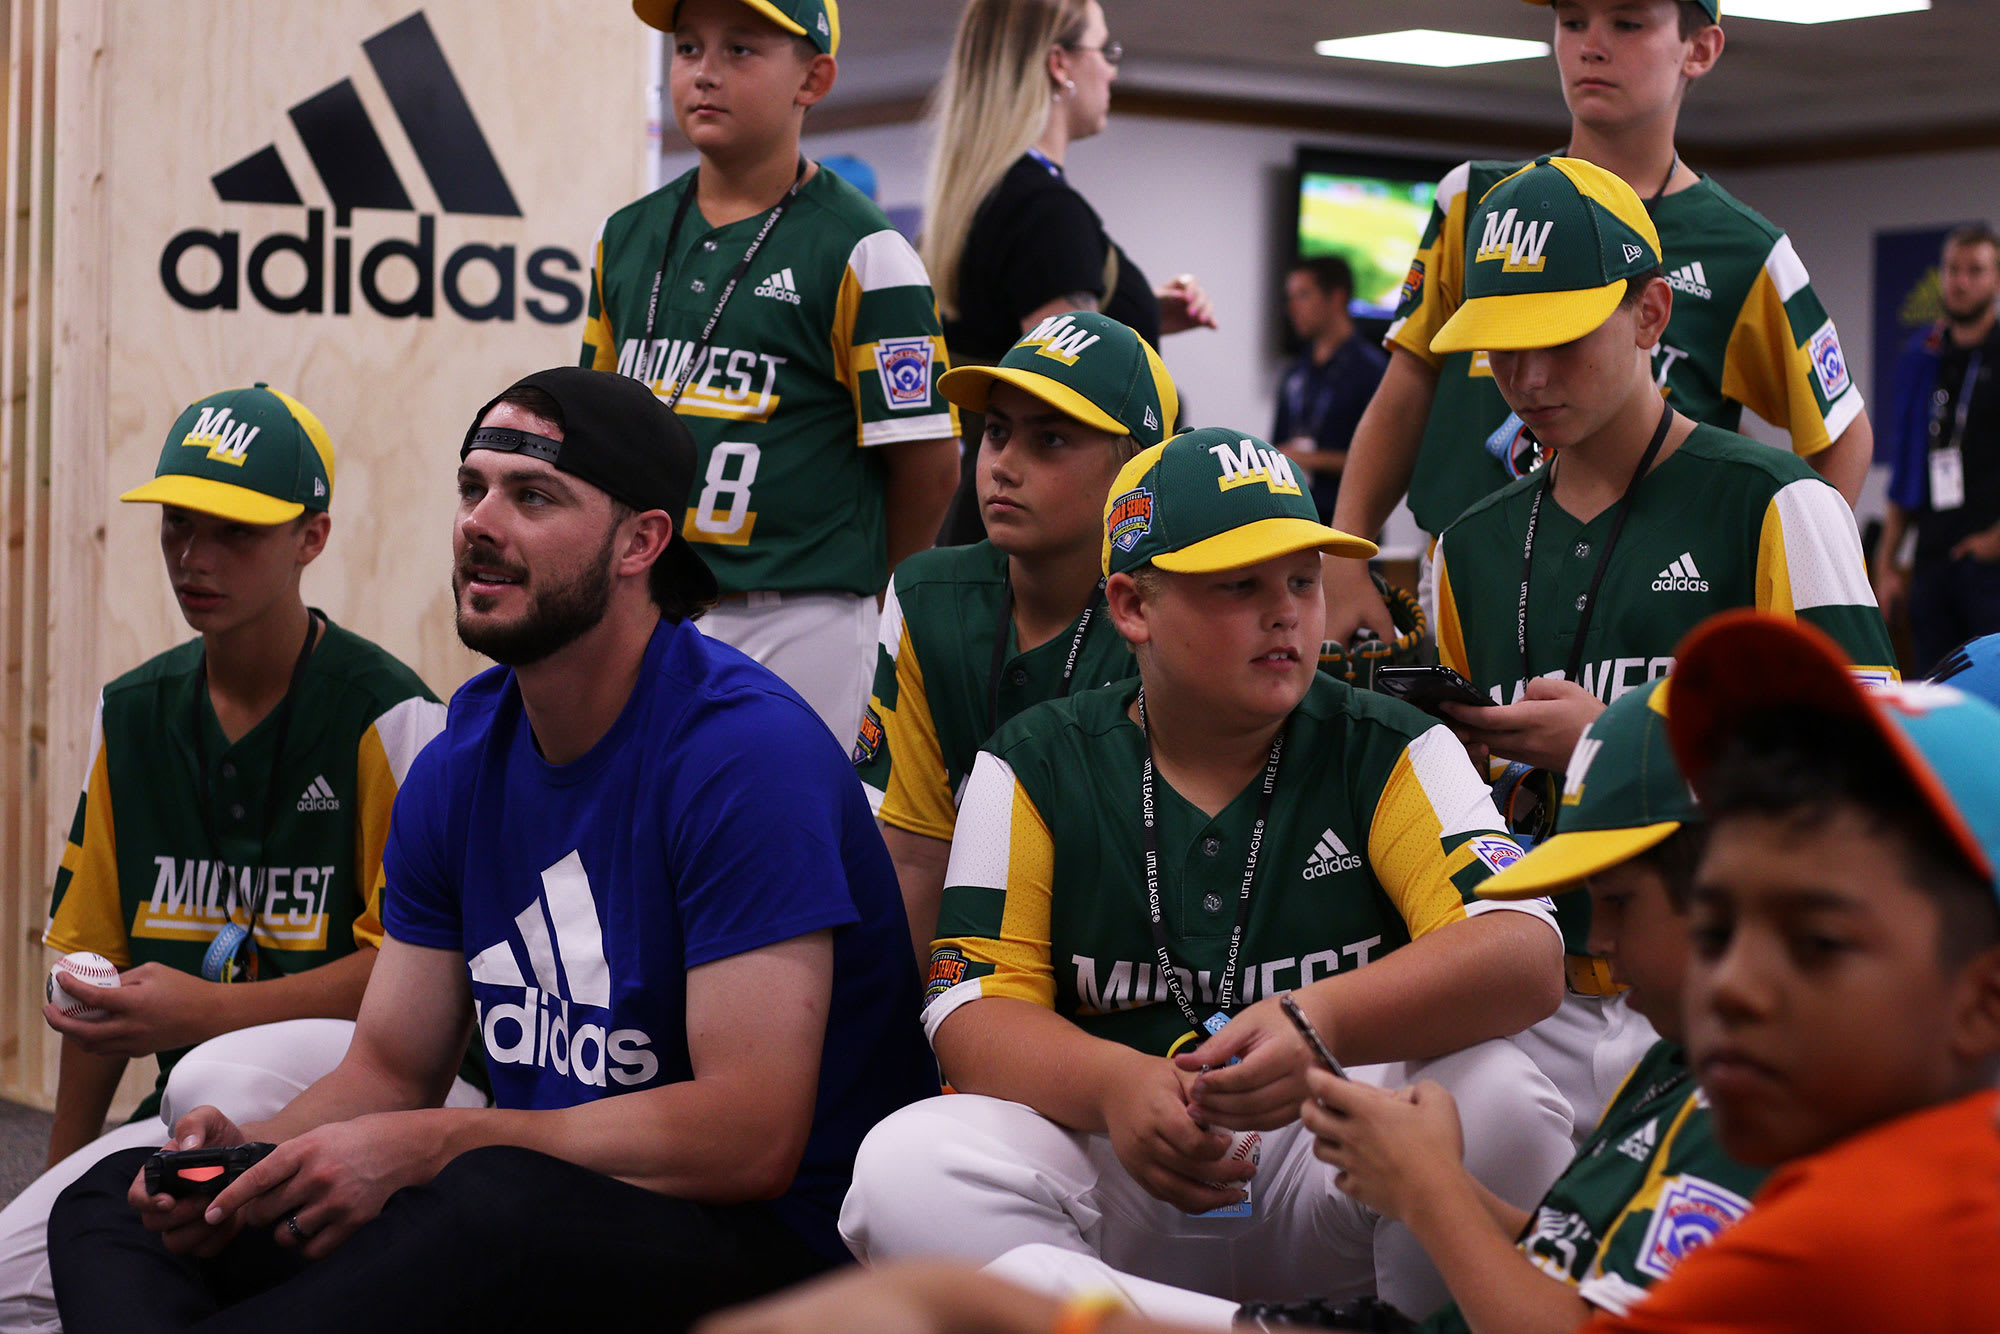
618	437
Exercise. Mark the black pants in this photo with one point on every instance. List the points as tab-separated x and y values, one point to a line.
1951	601
502	1239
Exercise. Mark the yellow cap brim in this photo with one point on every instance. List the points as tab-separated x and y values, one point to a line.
1567	858
1263	540
1527	320
971	387
660	14
205	496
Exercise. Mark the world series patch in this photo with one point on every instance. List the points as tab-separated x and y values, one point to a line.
947	971
869	743
1413	286
905	365
1690	1214
1130	519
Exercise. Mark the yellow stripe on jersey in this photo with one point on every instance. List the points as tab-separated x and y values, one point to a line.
1001	845
918	797
846	362
1809	558
1441	273
90	916
375	789
1432	794
597	333
1647	1197
1768	370
1450	630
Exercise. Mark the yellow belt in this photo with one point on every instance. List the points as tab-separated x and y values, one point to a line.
1589	975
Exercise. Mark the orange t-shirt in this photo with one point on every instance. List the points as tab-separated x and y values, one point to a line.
1894	1229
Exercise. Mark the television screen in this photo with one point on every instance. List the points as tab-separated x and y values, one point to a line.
1370	211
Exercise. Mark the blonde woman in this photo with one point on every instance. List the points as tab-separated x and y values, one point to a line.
1007	240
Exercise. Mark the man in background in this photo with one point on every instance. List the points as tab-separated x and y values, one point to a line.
1322	397
1946	432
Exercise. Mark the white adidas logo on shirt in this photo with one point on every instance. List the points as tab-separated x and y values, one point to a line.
319	796
779	287
1639	1145
563	940
1329	857
1681	577
1692	279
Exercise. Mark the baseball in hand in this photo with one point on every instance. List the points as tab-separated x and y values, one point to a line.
95	969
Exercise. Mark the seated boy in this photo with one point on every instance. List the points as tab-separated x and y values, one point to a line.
973	635
1843	1000
1137	866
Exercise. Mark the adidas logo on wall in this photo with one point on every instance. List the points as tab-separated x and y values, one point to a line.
563	943
396	277
1681	577
779	287
319	796
1329	857
1691	279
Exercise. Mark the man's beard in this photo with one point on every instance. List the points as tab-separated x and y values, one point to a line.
1972	312
554	620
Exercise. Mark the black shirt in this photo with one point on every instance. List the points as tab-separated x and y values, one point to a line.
1326	403
1939	530
1033	240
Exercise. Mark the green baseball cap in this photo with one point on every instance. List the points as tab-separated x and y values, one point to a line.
254	455
1087	366
1713	8
818	21
1548	254
1622	794
1214	499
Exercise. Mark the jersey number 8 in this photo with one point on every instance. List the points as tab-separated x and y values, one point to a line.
724	504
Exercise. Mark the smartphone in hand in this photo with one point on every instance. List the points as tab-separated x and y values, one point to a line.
1321	1051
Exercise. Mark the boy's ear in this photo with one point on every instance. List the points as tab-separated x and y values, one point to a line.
1127	605
1704	49
1975	1036
318	526
818	82
1655	309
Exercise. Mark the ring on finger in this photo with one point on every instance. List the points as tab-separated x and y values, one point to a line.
292	1226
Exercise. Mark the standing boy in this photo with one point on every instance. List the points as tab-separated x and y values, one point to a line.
1747	329
777	311
973	635
1843	999
227	848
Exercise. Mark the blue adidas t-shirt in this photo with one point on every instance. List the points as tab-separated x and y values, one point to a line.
717	816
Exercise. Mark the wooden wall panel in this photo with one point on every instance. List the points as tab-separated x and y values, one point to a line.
119	115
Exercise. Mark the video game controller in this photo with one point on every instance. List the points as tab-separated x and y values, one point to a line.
186	1172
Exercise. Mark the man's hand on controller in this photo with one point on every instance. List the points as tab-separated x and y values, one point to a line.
317	1189
181	1223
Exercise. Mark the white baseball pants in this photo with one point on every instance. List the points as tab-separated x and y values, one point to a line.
975	1177
1586	1048
820	644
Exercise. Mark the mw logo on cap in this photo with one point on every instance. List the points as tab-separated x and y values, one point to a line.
1518	242
1244	463
1058	337
226	441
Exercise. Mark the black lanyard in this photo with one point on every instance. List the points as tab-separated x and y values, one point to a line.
1006	626
729	289
1589	603
1225	994
1964	405
260	879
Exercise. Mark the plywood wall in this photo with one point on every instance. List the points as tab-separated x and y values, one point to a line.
471	147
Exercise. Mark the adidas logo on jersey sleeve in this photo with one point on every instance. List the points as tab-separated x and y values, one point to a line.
563	942
1680	577
780	287
319	796
1691	279
1330	857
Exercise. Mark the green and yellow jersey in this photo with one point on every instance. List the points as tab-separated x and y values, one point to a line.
1380	829
1649	1188
937	699
829	347
140	880
1747	331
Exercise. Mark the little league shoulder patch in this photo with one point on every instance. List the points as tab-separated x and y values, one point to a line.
1413	286
1495	852
1130	519
905	366
1690	1214
1829	365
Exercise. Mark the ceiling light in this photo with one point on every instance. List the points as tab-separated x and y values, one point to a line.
1428	46
1818	11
